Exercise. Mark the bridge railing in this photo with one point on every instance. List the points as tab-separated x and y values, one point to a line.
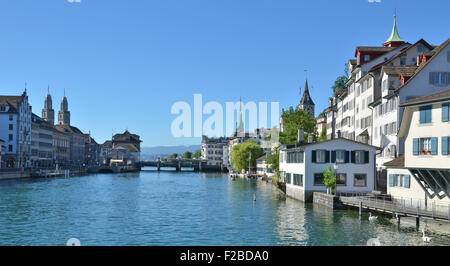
387	203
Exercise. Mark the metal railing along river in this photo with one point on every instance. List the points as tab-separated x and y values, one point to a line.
401	206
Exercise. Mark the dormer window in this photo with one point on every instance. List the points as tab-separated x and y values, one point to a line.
2	108
366	58
403	61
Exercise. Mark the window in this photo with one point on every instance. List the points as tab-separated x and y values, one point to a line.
445	145
295	157
360	157
288	178
10	126
366	58
340	156
396	180
425	146
445	112
10	117
341	179
298	180
10	138
425	114
440	78
321	156
318	179
360	180
403	61
10	148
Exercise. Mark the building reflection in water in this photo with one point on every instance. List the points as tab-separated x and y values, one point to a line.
290	226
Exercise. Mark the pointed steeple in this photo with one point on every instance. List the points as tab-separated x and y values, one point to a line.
394	40
240	126
48	114
306	103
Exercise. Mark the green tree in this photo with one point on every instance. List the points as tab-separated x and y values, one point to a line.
329	178
323	134
187	155
197	154
340	82
293	119
240	155
173	156
274	161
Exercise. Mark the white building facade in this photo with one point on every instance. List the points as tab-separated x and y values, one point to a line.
15	130
422	175
302	167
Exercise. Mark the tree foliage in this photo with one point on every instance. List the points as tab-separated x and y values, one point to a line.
173	156
197	154
274	161
240	155
340	82
293	119
187	155
329	178
323	134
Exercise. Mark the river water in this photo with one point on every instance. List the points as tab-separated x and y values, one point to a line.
169	208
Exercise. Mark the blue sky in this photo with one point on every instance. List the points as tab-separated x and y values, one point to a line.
125	63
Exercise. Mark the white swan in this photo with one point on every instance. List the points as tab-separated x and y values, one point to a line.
425	239
372	218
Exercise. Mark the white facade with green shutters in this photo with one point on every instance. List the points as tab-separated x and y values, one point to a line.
425	173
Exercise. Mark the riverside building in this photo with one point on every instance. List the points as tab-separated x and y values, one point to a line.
302	166
380	78
422	174
15	130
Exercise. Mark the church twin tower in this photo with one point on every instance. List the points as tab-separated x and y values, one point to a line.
48	114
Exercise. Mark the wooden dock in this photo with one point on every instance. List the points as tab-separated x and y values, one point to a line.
399	207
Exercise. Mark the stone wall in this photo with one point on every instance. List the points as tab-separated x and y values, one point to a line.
327	200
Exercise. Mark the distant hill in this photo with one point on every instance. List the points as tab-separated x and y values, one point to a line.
152	153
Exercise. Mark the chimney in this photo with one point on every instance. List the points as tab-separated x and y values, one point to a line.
339	134
300	135
310	138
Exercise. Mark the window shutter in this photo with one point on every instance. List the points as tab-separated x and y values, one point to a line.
391	180
366	157
432	78
353	156
333	156
429	119
434	144
327	156
313	156
347	156
445	145
422	115
445	112
415	146
406	181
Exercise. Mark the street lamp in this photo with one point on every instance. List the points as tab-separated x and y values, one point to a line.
336	167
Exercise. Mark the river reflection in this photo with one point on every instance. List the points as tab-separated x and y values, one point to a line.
169	208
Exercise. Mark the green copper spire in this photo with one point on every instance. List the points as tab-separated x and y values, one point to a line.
395	37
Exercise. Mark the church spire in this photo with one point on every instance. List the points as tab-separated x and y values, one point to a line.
48	114
240	126
306	103
394	40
